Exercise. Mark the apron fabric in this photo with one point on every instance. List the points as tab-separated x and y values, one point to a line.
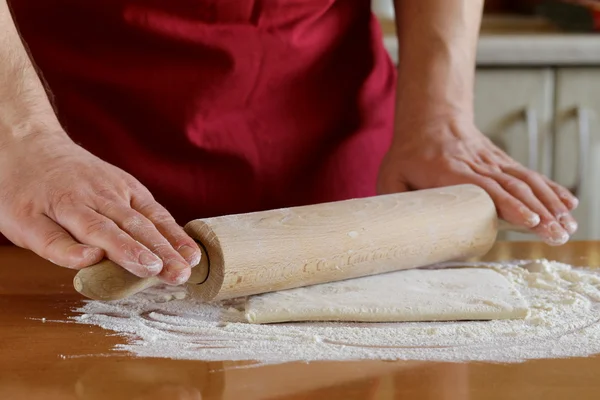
221	106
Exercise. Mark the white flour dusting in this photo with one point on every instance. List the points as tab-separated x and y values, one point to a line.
563	322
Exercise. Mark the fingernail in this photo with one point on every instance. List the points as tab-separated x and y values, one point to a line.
531	219
559	235
191	255
151	262
568	223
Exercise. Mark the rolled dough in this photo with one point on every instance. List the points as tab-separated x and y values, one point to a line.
412	295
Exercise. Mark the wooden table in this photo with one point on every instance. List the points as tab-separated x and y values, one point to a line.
36	358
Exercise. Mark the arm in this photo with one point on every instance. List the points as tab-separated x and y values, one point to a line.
436	142
24	105
437	47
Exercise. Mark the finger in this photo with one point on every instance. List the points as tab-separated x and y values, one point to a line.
548	227
175	270
509	207
166	225
568	199
547	196
49	240
143	201
521	191
87	226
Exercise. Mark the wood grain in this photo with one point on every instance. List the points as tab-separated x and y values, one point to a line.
286	248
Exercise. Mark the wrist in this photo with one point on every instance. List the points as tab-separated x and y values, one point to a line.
442	81
434	124
32	129
435	110
433	113
435	92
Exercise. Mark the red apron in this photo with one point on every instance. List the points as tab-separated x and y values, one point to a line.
221	106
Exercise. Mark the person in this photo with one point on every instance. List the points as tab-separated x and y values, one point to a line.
121	120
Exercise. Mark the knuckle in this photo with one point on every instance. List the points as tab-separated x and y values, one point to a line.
517	186
162	217
134	223
106	206
59	202
51	238
145	207
157	214
96	226
130	251
66	198
135	185
535	178
485	182
138	190
488	169
110	195
161	248
25	209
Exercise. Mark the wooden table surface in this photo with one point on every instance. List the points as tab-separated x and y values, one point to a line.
50	360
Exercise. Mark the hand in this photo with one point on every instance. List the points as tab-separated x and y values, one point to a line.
444	152
74	209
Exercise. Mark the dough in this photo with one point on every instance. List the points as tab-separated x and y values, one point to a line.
412	295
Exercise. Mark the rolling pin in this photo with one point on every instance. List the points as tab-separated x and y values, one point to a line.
259	252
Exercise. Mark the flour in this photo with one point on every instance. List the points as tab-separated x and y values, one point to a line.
563	321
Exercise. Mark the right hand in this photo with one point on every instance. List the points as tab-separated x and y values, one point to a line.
433	152
74	209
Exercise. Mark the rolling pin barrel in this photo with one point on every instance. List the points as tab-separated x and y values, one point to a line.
273	250
292	247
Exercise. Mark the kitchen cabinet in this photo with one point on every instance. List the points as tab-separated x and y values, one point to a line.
577	143
515	109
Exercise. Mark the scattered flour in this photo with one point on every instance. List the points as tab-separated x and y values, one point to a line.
563	322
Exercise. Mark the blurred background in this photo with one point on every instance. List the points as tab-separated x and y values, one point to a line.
537	91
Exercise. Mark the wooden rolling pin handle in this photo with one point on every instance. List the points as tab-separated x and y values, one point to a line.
108	281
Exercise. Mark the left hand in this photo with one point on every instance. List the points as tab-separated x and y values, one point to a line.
436	152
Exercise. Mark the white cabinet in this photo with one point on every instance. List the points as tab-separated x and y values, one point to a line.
515	109
577	144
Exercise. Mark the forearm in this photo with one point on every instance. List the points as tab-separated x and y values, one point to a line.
24	105
437	50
